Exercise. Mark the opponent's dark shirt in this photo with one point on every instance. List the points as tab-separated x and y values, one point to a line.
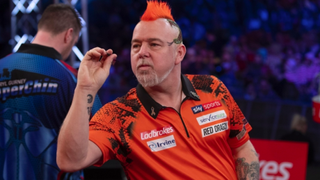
36	91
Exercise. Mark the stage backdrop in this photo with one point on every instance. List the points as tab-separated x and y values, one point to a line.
281	160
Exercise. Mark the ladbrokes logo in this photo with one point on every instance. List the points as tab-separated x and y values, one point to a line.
156	132
206	106
162	144
211	117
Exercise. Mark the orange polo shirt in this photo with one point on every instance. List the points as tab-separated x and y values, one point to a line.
156	142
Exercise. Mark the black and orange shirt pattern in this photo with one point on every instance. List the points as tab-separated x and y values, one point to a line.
157	142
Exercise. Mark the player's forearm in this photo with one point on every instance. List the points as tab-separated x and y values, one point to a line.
247	162
247	169
74	134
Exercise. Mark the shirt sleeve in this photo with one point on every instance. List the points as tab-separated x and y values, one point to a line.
239	126
101	132
109	130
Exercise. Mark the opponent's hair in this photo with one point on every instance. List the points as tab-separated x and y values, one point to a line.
158	9
57	18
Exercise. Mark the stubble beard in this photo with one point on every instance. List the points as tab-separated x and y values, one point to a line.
149	78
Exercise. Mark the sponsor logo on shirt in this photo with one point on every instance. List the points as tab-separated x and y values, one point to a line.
162	144
197	109
208	118
156	132
18	83
206	106
207	131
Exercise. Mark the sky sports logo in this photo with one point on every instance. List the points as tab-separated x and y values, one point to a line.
206	106
208	118
207	131
156	132
162	144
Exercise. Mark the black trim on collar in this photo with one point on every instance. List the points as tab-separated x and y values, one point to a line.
40	50
149	104
153	107
188	88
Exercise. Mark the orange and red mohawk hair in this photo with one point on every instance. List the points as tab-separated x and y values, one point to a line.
155	10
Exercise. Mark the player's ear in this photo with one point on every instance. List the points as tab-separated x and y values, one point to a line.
68	35
181	52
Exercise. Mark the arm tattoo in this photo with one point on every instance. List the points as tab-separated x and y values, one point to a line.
246	171
89	110
90	98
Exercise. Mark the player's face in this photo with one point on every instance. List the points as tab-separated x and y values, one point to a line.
152	58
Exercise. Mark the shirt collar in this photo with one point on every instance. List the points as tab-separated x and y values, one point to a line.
153	107
40	50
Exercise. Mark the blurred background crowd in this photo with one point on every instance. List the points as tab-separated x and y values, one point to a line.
261	49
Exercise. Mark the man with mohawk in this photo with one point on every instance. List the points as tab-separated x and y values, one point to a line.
171	126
